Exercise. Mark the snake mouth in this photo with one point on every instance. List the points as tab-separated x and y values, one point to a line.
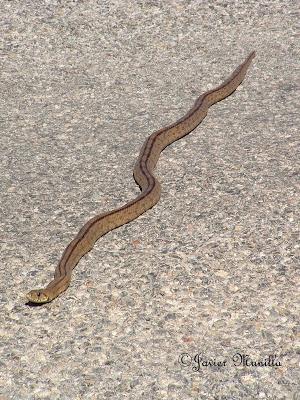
37	296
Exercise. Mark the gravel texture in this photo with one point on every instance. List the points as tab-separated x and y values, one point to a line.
168	305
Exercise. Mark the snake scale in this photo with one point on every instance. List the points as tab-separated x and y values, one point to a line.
149	185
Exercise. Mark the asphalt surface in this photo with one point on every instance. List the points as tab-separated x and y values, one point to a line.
197	298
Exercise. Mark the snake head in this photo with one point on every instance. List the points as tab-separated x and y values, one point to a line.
38	296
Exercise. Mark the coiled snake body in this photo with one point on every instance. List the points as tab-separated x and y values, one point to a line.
143	175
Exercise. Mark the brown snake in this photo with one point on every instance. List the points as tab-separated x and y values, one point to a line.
149	185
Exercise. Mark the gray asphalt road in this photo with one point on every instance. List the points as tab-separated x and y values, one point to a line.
197	298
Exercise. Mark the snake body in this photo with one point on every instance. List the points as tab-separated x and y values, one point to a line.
149	185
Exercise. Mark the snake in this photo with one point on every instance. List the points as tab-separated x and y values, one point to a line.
149	186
